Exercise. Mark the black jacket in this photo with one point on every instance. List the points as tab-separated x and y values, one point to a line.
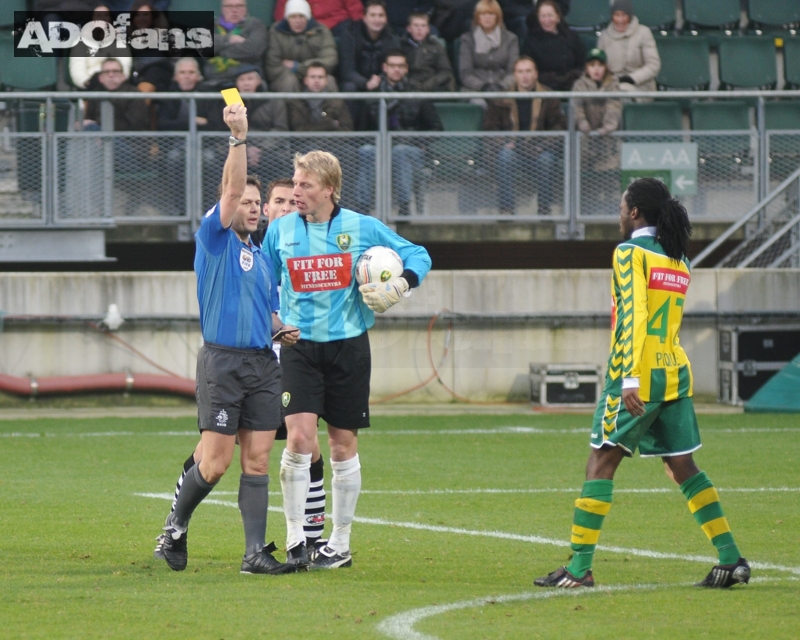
361	57
560	57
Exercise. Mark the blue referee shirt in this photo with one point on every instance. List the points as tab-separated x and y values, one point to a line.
316	264
235	287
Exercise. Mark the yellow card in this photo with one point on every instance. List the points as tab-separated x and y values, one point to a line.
231	96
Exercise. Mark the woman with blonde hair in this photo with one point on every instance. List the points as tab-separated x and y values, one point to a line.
488	51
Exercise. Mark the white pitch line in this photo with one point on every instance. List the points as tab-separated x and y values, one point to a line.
377	432
502	535
401	625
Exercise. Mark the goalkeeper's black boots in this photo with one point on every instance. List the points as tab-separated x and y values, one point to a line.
563	579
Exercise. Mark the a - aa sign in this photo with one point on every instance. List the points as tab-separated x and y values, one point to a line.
673	163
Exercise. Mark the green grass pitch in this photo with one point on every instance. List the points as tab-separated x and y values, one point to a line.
458	514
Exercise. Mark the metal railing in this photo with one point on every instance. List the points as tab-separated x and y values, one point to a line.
66	178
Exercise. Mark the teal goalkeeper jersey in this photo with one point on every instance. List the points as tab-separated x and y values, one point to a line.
316	264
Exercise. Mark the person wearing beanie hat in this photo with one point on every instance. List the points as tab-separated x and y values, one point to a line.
297	7
296	41
626	6
337	15
630	48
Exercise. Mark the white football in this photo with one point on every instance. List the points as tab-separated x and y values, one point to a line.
378	264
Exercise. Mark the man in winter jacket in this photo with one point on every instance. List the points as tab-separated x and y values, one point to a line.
537	156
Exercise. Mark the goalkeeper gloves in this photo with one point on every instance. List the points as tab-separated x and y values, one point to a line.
379	296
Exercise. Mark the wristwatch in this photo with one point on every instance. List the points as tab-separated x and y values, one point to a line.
235	142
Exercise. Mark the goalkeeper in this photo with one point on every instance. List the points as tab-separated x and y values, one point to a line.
326	362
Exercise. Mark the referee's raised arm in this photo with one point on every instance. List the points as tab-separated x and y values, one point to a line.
234	173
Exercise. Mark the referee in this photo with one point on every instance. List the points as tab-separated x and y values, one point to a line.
238	376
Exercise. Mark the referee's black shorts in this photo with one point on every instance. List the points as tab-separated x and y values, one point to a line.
237	389
328	379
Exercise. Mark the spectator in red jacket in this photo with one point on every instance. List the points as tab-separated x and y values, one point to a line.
337	15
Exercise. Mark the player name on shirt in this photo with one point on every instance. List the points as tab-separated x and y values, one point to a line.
321	273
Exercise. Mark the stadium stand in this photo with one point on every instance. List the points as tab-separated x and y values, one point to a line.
659	15
721	157
652	116
711	14
684	63
201	5
782	114
454	157
791	62
773	15
747	62
588	15
24	74
7	9
459	116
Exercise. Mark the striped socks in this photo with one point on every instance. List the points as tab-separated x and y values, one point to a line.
590	511
706	509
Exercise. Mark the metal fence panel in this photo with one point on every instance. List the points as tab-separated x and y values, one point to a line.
726	173
22	178
479	176
783	155
124	176
271	156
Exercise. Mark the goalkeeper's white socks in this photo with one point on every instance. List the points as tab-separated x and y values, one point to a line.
295	479
346	486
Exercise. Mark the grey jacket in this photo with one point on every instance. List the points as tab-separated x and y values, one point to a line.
495	67
428	65
597	113
315	44
632	53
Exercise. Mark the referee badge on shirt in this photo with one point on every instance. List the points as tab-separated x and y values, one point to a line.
343	241
285	398
246	259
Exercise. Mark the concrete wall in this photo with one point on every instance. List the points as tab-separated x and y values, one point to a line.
487	359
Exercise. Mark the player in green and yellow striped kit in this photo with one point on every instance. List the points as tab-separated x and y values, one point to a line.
647	398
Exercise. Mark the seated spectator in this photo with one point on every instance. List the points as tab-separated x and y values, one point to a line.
84	67
173	115
363	49
516	14
428	64
318	114
337	15
238	39
597	114
488	51
557	50
402	115
294	43
399	13
130	114
536	156
631	49
150	72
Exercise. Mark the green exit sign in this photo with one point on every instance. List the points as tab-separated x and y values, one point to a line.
673	163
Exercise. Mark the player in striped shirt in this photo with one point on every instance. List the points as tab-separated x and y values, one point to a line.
646	401
326	363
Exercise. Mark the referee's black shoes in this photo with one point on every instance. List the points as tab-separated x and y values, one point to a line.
173	547
723	576
264	562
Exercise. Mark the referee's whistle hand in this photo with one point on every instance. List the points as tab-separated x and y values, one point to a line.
633	403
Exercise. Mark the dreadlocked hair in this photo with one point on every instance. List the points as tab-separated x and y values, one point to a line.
663	212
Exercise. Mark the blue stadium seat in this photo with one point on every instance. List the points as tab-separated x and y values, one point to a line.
712	14
589	14
24	74
7	9
656	14
782	114
791	62
773	14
